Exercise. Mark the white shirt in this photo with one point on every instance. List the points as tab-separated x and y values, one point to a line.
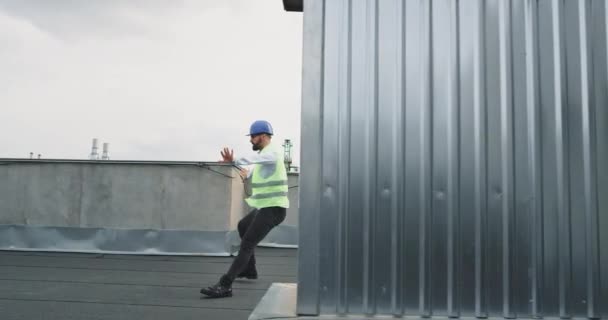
264	158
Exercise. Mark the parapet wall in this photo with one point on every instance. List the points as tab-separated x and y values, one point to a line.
45	204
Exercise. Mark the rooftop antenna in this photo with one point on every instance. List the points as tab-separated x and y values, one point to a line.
287	155
94	154
105	155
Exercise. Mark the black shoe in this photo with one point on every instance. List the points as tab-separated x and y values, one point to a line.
217	291
249	274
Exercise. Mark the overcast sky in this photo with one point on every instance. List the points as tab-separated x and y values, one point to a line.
157	79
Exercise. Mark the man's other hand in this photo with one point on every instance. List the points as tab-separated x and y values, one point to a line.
244	173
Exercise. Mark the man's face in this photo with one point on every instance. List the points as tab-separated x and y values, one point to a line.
256	141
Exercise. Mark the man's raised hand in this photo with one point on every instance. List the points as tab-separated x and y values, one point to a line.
227	155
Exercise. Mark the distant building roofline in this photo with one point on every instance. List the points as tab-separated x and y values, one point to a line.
139	162
7	161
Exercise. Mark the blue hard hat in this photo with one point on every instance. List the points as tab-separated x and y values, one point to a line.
260	126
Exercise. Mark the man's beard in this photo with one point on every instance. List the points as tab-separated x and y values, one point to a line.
256	147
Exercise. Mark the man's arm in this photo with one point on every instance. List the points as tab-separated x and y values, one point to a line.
258	158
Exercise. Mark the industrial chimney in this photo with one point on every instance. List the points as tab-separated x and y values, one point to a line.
287	154
105	155
94	154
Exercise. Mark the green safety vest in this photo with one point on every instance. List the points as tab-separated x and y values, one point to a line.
269	183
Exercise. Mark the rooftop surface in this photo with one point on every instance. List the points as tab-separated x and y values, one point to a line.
51	285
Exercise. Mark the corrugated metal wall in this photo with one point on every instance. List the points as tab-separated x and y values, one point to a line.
454	158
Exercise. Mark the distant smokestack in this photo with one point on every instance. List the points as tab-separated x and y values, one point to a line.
105	155
287	154
94	154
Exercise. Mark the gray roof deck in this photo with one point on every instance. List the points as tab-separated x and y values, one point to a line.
51	285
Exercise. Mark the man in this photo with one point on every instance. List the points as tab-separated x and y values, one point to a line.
268	198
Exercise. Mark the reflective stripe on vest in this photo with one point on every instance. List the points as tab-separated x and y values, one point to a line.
269	184
268	195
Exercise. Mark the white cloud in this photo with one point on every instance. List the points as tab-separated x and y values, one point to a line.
159	80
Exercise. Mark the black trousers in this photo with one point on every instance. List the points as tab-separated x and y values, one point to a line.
252	229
